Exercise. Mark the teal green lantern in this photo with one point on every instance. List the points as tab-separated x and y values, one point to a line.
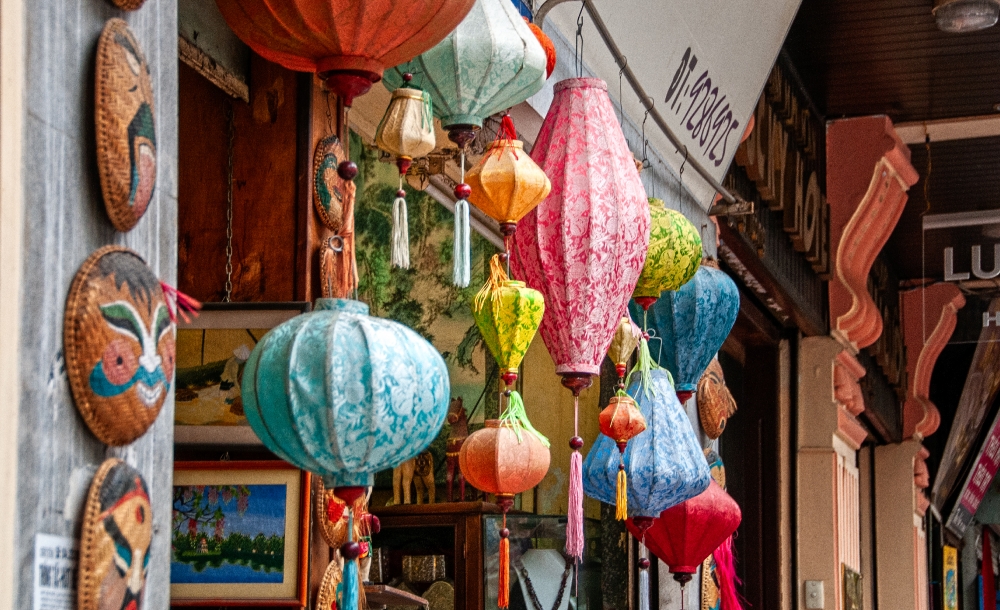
343	394
490	62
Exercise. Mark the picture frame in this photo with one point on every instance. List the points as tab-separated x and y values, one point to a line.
220	509
211	351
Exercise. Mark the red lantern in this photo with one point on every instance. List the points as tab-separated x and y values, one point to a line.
546	42
620	421
684	535
347	42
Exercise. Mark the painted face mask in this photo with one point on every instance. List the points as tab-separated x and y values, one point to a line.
119	345
116	536
126	136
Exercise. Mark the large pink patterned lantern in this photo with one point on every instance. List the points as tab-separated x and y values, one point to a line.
584	246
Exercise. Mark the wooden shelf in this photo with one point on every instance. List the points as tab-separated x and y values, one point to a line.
380	596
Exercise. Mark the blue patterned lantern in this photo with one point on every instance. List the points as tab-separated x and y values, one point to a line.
665	464
344	395
693	322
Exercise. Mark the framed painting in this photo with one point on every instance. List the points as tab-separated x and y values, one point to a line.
239	534
211	352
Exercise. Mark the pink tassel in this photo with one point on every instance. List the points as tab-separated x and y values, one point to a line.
574	522
179	303
725	572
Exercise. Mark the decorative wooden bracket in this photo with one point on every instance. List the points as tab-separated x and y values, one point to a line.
929	317
847	371
868	175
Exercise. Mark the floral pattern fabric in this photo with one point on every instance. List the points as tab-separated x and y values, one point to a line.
508	322
489	63
674	253
665	464
693	323
343	394
584	246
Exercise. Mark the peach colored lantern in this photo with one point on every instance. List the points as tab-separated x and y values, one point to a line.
505	458
620	421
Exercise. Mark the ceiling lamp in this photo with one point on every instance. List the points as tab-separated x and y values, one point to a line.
958	16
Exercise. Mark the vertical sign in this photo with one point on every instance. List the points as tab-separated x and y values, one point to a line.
55	572
979	479
950	577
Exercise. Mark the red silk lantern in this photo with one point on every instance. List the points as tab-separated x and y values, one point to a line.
349	43
684	535
620	421
584	246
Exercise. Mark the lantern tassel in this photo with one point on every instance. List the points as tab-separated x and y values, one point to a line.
621	495
179	304
644	367
518	418
574	521
503	579
725	571
492	288
349	594
400	234
644	585
462	270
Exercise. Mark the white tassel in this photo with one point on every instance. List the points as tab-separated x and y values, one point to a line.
400	235
461	274
644	582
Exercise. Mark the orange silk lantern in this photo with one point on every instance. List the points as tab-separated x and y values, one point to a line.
505	458
546	42
620	421
349	43
506	184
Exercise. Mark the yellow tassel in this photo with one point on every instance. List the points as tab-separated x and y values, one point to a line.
498	277
503	581
621	508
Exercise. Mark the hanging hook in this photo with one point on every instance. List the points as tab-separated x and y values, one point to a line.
621	100
578	54
645	160
685	160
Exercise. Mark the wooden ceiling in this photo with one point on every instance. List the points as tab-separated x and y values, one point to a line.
862	57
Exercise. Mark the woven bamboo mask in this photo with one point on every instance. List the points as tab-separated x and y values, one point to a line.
115	540
126	136
119	344
715	403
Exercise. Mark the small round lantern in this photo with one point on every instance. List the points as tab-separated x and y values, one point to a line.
546	42
620	421
506	184
406	132
504	458
323	392
673	256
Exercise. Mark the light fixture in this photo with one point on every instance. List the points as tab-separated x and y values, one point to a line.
957	16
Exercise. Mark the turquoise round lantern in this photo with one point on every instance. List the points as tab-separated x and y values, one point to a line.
344	395
665	463
490	62
693	323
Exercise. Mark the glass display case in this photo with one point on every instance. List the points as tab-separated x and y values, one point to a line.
416	539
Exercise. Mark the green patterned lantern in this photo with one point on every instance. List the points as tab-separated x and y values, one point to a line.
508	314
673	257
489	63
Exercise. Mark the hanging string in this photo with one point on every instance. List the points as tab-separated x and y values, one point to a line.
578	55
621	99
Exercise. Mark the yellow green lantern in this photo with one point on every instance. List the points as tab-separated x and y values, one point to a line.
673	257
508	314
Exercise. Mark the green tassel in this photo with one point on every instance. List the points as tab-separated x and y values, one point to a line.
644	366
518	418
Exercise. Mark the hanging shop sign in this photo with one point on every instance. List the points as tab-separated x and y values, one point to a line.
963	248
977	482
696	62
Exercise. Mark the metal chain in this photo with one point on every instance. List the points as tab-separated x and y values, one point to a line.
229	208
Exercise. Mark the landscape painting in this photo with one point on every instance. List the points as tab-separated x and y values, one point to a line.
239	534
228	534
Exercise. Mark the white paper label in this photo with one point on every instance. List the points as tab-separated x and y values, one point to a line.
55	572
